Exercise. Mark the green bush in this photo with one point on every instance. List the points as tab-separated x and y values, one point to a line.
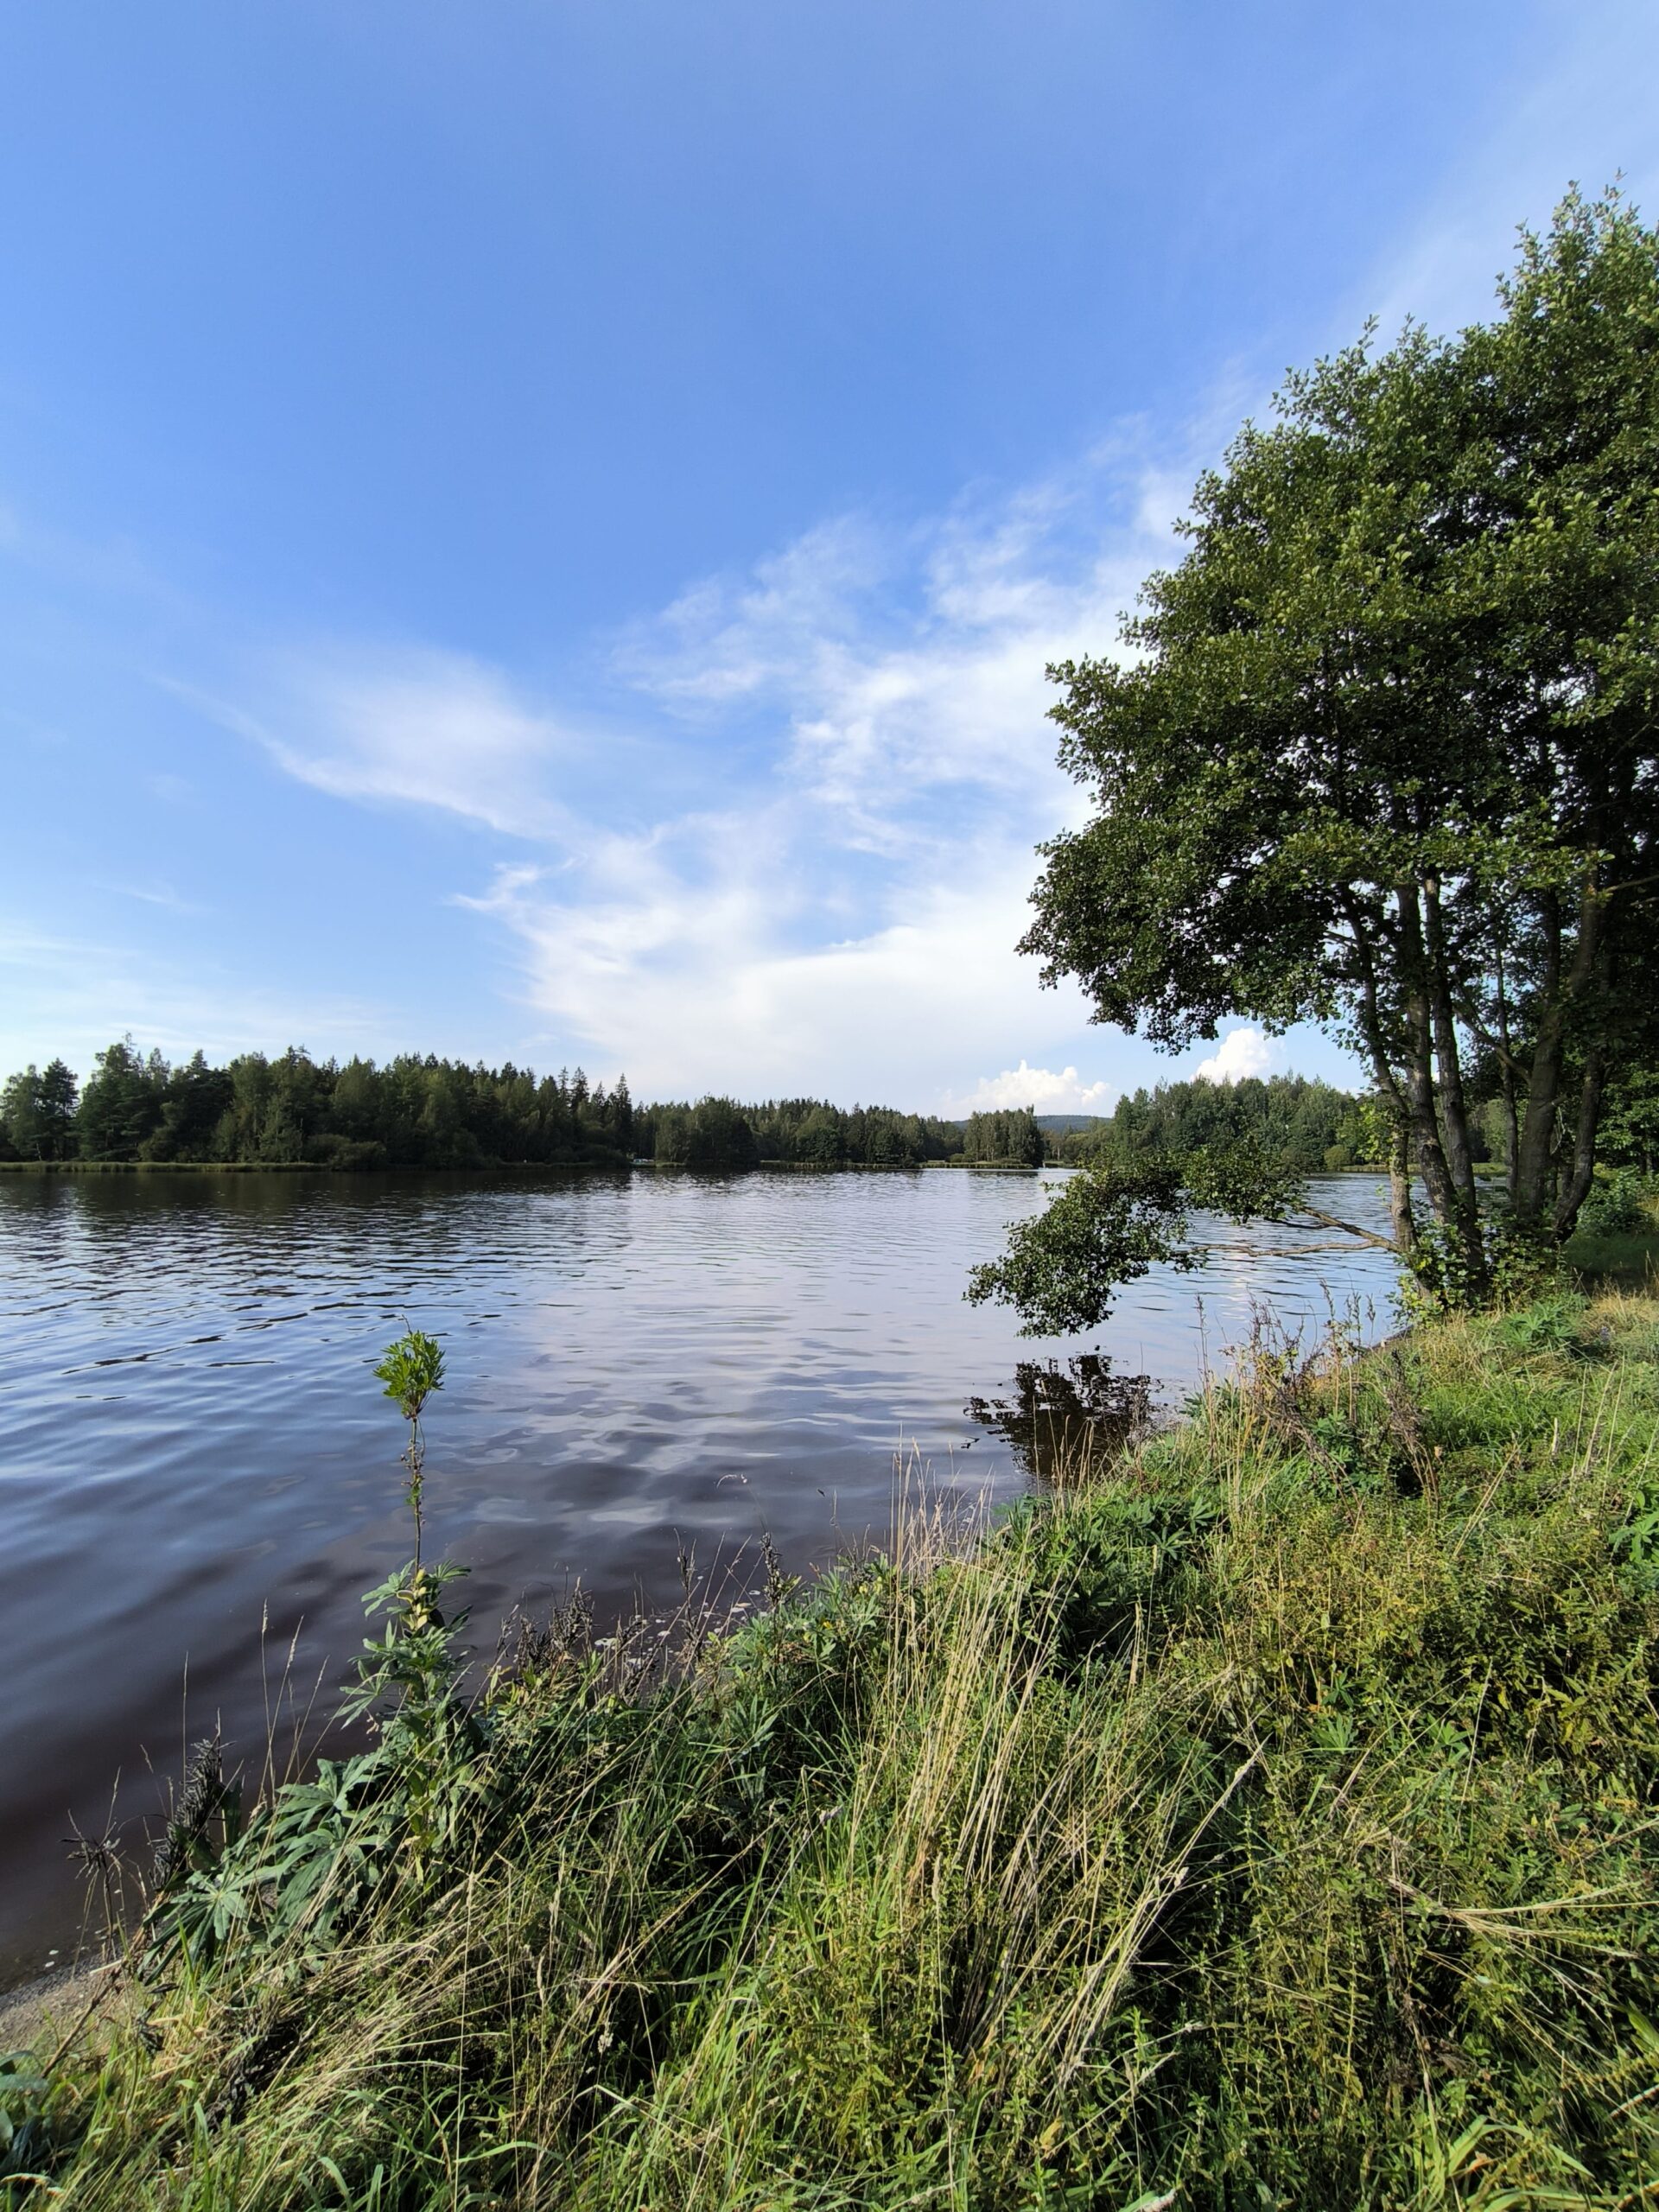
1618	1206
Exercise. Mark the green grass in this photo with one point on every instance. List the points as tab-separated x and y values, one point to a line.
1618	1241
1631	1257
1266	1820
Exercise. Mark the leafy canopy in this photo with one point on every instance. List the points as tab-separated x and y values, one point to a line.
1381	754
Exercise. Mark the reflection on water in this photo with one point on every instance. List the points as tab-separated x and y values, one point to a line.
192	1443
1062	1422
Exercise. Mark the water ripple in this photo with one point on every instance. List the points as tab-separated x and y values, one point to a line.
632	1363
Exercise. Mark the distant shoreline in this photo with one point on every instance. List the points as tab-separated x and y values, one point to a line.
502	1167
567	1168
309	1167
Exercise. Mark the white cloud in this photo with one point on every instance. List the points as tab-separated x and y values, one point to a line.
700	964
898	671
1041	1088
1242	1052
863	717
869	702
421	727
849	923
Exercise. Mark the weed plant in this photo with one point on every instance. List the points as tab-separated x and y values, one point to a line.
1267	1818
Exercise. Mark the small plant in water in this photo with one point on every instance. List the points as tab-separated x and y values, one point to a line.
411	1370
314	1855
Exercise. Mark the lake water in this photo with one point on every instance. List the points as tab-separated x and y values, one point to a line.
191	1442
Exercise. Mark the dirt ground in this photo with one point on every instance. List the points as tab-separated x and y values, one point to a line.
40	2011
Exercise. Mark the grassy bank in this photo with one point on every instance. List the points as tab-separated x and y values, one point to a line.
1266	1821
1627	1257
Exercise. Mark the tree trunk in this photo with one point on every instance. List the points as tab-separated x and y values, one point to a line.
1400	1213
1537	1157
1419	1064
1580	1173
1511	1117
1459	1152
1538	1130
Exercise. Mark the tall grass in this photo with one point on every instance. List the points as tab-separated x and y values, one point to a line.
1264	1818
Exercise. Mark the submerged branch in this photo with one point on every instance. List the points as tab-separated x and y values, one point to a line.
1349	1228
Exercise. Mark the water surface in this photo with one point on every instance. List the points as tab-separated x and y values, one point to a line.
192	1443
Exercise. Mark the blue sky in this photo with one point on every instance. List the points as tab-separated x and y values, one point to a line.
534	530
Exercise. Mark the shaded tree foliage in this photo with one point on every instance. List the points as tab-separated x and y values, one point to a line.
1061	1268
37	1113
1009	1136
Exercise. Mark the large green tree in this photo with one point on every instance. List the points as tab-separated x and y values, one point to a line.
37	1111
121	1106
1381	754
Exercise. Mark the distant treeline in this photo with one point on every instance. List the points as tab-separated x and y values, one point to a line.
1307	1124
409	1113
791	1132
414	1112
811	1133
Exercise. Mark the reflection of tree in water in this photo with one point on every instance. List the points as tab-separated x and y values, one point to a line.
1062	1422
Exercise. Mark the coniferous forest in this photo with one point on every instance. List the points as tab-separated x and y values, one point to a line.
293	1110
421	1111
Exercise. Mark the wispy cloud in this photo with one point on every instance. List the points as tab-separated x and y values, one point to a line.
410	726
63	987
859	904
870	701
900	671
155	894
1587	110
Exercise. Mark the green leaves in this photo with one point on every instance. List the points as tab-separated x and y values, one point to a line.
1110	1224
1107	1226
411	1370
1383	755
1241	1180
23	2094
